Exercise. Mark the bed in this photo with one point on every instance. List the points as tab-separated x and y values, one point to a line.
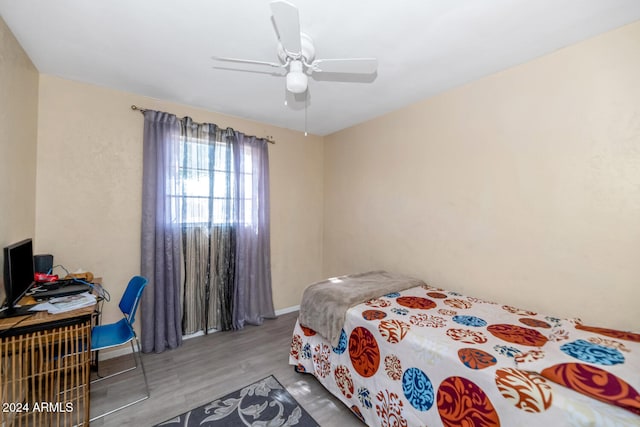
409	354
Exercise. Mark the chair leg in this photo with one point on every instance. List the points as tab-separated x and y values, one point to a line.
135	365
144	375
94	363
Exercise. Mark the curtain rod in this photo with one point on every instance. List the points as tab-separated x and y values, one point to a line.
268	138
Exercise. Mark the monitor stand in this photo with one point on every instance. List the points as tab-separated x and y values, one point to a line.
17	311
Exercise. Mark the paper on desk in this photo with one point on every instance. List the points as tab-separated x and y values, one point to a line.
67	303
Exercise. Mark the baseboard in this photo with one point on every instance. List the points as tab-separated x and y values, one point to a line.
104	355
287	310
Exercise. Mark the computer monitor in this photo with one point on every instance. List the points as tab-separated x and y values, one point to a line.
18	275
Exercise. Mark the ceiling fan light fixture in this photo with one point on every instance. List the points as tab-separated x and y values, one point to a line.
297	80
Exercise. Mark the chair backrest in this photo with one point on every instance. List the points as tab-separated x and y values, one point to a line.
131	297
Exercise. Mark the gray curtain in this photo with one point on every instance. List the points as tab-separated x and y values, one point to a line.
205	241
227	268
252	294
160	239
200	304
209	217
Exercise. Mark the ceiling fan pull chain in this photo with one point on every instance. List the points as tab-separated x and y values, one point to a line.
306	102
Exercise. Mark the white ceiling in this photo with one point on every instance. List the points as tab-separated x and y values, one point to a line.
162	48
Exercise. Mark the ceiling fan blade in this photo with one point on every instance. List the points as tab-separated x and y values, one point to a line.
247	61
351	65
287	24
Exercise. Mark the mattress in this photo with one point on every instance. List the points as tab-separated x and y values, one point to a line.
426	356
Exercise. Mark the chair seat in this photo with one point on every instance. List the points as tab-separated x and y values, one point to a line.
111	335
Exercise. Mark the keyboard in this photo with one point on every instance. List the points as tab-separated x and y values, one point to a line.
55	285
72	288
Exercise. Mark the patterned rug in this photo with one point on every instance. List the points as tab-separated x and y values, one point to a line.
263	403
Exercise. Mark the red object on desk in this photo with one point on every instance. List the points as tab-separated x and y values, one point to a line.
42	277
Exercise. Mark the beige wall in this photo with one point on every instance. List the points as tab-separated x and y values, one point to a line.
18	137
89	187
522	187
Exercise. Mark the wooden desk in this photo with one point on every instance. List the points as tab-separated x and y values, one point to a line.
45	368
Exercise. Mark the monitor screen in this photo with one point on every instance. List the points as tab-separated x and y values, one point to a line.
18	270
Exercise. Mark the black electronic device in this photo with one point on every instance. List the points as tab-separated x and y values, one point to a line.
18	276
43	263
49	286
62	291
56	284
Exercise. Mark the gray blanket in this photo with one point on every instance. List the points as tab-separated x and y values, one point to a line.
325	304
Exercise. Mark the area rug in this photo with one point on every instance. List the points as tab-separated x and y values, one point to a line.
263	403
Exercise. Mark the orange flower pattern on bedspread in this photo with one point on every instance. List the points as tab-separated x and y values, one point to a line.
518	335
427	356
623	335
364	352
463	403
476	359
526	390
595	382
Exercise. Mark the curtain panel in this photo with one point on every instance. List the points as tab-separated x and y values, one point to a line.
160	238
209	215
253	297
206	198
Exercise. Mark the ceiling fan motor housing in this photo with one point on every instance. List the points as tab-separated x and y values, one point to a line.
307	51
297	80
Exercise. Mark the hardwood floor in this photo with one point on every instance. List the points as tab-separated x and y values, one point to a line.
208	367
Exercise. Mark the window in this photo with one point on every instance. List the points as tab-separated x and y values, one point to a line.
207	188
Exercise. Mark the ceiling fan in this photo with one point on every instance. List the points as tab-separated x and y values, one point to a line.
296	52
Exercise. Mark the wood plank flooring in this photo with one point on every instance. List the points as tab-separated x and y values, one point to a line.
208	367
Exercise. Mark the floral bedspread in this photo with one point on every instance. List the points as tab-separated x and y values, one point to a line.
426	356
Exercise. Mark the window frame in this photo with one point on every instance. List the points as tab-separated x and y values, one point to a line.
179	197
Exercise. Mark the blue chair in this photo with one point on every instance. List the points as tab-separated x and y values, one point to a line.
121	333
